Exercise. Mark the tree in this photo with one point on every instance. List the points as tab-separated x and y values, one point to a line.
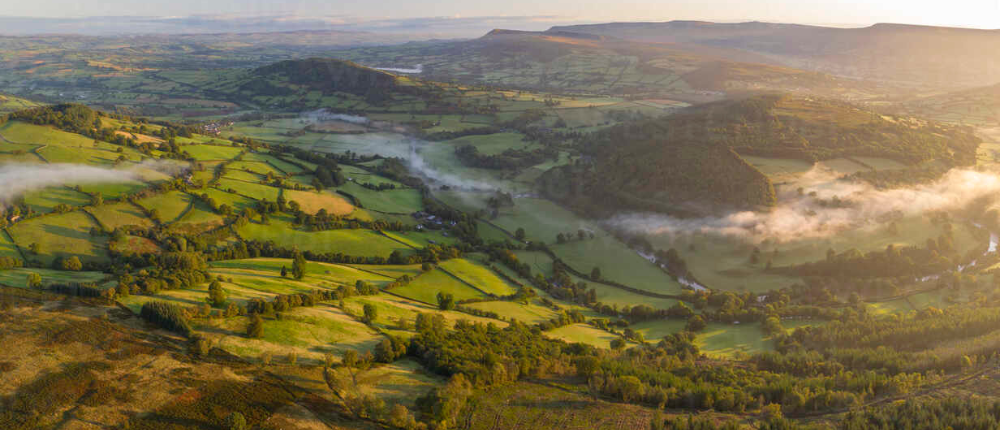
284	272
446	301
34	280
35	248
343	382
255	330
73	263
97	199
595	274
444	404
216	294
695	323
236	421
298	266
772	326
389	349
400	417
560	238
618	344
519	234
371	313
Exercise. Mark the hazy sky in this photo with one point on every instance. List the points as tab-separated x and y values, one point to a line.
969	13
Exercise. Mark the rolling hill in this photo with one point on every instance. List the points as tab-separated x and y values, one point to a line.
691	161
588	63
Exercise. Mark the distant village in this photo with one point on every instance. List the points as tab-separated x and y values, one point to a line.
215	128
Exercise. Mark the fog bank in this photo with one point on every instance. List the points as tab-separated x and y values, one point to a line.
18	179
821	215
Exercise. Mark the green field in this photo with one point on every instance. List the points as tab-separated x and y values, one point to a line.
113	190
617	262
310	332
426	287
404	201
311	202
655	330
256	167
241	175
18	278
7	247
60	236
482	277
531	313
724	340
350	242
420	239
235	201
315	272
199	219
250	189
391	308
541	220
583	333
212	152
116	215
45	200
170	206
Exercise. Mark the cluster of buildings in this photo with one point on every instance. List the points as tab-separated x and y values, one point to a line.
433	222
215	128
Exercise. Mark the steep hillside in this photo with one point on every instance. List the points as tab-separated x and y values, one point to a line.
325	76
691	160
915	55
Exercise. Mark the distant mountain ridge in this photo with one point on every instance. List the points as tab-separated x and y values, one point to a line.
945	57
580	62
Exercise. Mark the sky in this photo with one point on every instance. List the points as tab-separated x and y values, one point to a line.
534	13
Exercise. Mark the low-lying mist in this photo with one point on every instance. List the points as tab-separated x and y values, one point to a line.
825	207
321	115
419	167
19	179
